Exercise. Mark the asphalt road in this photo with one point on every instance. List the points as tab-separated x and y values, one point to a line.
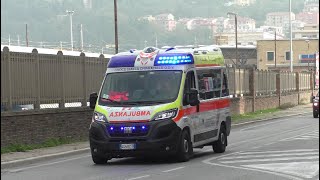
286	148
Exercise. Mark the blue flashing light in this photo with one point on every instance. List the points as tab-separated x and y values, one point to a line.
133	128
111	128
143	127
174	59
121	128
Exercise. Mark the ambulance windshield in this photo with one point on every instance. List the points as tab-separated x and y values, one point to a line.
140	88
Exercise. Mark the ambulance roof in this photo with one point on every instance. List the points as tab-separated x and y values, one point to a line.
150	56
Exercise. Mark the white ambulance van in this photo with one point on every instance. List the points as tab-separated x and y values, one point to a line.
161	102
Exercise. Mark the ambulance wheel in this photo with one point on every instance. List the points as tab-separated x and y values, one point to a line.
98	159
220	145
185	149
315	114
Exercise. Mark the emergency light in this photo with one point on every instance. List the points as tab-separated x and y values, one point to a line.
175	59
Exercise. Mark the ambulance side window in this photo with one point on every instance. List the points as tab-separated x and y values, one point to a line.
190	83
210	81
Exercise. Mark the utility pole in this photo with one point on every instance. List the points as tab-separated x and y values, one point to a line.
60	45
18	40
9	40
291	51
81	33
116	27
275	49
156	41
70	13
27	41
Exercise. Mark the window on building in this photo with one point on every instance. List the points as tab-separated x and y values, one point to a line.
270	56
288	55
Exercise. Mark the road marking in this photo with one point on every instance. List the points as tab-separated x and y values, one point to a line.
174	169
47	164
273	159
272	155
140	177
301	169
286	151
265	137
305	136
287	165
208	161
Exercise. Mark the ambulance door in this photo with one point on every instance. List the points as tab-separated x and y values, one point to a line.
191	113
209	93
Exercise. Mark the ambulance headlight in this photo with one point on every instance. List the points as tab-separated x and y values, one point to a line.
165	115
98	117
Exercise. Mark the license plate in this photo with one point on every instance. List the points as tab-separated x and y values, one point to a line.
127	146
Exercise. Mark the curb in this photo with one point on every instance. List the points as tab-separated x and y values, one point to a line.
267	119
27	161
11	164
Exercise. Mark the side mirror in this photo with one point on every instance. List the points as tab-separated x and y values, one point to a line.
193	97
93	100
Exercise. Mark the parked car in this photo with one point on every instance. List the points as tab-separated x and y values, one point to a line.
316	106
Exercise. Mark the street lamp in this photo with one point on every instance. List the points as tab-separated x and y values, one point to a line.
291	51
70	13
116	26
236	31
237	61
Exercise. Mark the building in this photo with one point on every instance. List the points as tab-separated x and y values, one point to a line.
148	18
247	55
244	38
309	31
271	29
308	17
296	25
167	21
87	4
303	54
244	2
200	22
221	24
311	7
278	19
245	24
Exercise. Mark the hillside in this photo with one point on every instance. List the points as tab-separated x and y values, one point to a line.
46	25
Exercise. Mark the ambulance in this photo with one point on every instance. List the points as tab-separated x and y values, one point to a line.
156	102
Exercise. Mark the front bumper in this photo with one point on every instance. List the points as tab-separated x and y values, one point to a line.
161	138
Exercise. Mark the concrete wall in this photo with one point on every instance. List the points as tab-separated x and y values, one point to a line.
30	127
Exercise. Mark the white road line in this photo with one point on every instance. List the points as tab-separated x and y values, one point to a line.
47	164
271	155
140	177
268	136
286	151
289	138
272	160
264	137
173	169
208	161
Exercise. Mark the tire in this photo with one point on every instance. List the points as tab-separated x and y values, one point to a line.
98	159
315	114
220	145
185	149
